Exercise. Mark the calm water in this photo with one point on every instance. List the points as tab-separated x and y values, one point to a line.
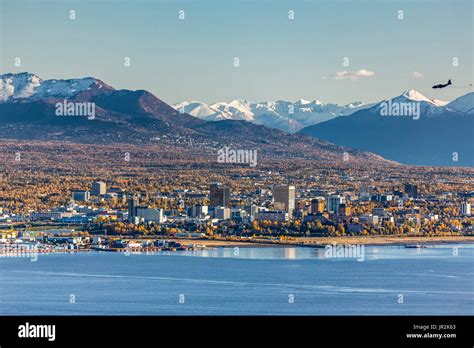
255	281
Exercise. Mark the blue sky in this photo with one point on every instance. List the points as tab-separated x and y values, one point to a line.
193	59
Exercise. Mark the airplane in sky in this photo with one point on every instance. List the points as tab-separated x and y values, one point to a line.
442	85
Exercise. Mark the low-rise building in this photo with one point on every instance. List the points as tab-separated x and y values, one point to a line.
150	214
81	195
274	215
222	213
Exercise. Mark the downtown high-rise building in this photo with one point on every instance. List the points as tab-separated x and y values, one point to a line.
219	195
317	205
132	207
198	210
334	202
284	198
99	188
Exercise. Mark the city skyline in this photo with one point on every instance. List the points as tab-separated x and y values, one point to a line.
214	160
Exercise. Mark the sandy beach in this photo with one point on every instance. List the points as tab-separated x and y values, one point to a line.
322	241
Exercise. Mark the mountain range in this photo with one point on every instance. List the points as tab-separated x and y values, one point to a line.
28	111
440	134
284	115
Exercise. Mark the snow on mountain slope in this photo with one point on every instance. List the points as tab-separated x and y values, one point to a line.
440	102
283	115
293	116
31	87
414	95
21	85
196	109
464	104
428	107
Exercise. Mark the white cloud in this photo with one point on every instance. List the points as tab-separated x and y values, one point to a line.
353	75
417	75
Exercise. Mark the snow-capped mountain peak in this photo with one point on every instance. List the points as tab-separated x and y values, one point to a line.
31	87
428	107
353	105
303	102
414	95
20	85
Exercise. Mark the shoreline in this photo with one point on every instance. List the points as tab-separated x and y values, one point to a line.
299	242
321	242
